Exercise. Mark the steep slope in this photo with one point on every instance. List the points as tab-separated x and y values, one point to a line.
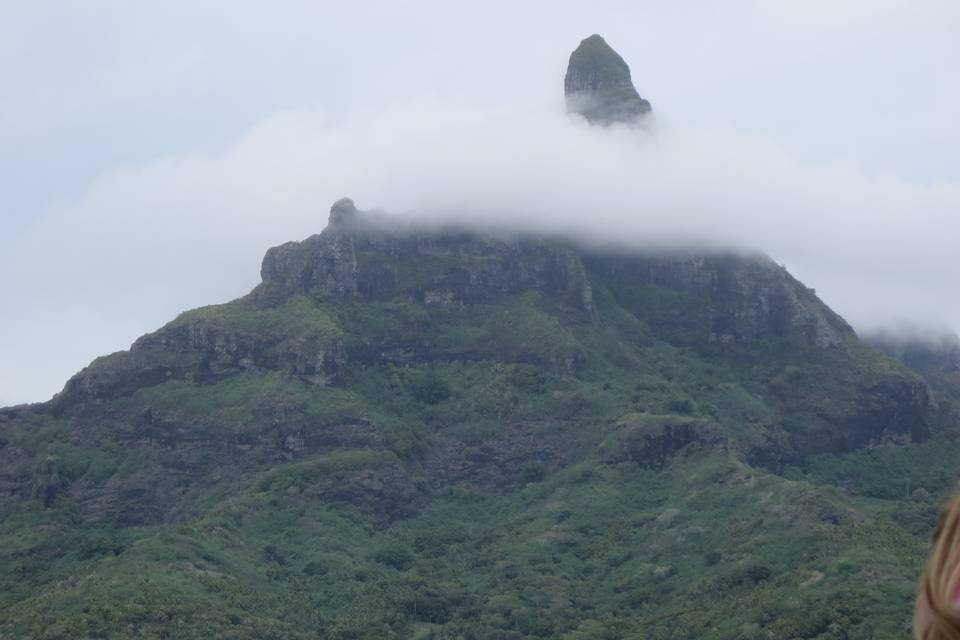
935	357
412	432
599	87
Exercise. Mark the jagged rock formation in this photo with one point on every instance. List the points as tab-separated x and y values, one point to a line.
599	87
726	298
454	267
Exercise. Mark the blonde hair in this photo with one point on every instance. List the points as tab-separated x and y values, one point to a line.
937	612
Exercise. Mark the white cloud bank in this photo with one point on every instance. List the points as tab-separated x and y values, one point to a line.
144	244
822	132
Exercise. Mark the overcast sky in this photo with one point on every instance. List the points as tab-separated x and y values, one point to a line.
151	152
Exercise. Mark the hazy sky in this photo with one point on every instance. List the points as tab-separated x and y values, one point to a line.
151	152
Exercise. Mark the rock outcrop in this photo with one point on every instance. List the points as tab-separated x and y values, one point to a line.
327	261
721	298
599	87
935	356
360	256
651	441
216	342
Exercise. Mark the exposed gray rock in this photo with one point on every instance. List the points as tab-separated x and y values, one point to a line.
327	261
434	266
342	212
599	87
206	346
722	298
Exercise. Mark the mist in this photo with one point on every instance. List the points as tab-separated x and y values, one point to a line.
146	240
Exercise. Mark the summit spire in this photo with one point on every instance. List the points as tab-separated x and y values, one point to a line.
599	87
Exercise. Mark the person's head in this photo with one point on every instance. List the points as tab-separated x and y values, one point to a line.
937	612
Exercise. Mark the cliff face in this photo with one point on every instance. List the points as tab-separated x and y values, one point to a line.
721	298
599	87
357	259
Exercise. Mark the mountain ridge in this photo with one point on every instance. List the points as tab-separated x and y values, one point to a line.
384	374
745	299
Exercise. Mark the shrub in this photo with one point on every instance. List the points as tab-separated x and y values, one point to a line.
394	556
274	555
429	388
680	405
533	472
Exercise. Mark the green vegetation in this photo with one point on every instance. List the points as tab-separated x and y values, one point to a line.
298	317
702	548
518	467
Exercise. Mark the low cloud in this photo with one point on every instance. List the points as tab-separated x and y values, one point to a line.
146	243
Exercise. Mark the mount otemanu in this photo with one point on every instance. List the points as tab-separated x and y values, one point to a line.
599	87
407	431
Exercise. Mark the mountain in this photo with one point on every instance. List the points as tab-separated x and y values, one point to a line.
405	430
412	431
599	87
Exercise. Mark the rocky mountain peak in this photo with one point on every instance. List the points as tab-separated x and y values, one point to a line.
599	87
343	210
